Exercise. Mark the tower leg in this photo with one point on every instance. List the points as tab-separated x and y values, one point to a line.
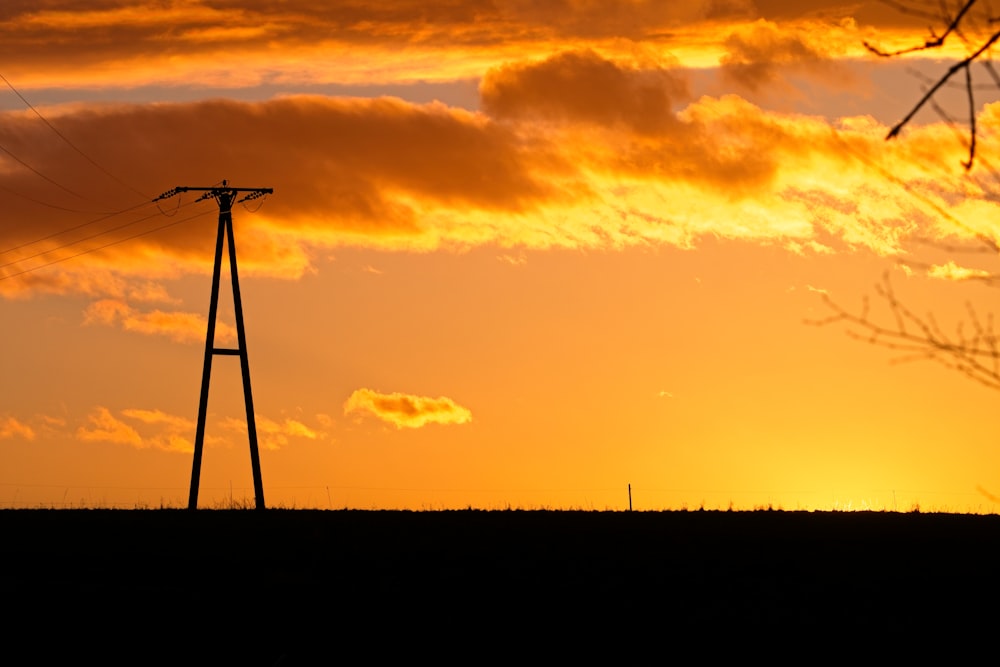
258	484
213	309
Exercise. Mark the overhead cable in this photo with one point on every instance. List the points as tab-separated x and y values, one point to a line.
70	143
102	247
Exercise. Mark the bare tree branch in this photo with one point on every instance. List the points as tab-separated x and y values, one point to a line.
932	43
972	119
954	27
974	347
975	354
909	9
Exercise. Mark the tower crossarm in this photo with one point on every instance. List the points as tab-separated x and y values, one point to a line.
217	191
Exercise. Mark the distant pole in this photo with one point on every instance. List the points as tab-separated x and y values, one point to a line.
225	196
630	497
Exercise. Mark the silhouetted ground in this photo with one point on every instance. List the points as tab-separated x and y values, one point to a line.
291	587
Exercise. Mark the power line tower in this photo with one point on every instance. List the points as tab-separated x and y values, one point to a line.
225	196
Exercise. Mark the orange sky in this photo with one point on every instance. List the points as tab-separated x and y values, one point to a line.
519	254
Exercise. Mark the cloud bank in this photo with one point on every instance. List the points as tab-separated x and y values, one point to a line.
546	169
588	136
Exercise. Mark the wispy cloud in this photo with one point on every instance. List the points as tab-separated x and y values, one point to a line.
178	326
314	42
272	434
952	271
173	433
406	410
149	429
155	429
519	259
102	426
10	427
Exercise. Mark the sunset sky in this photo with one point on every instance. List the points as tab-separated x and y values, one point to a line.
518	254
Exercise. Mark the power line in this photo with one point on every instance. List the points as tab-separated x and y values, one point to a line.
73	243
74	228
100	247
70	143
84	224
39	174
42	203
252	195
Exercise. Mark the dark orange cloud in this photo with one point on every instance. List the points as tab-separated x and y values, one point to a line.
875	13
583	86
340	169
763	54
114	27
237	45
736	149
406	410
623	18
249	43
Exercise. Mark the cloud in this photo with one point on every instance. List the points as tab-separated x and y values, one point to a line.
620	18
303	41
552	161
519	259
150	292
406	410
12	428
159	417
175	434
343	171
763	54
160	430
273	434
102	426
178	326
155	429
952	271
583	86
198	44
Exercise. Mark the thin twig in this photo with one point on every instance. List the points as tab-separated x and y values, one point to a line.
921	338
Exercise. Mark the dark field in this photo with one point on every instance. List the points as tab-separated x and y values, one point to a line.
295	587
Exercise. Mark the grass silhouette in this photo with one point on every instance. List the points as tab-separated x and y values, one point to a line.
313	586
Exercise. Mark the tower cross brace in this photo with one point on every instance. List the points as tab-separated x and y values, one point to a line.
225	196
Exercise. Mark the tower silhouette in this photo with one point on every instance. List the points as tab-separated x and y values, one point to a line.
225	196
